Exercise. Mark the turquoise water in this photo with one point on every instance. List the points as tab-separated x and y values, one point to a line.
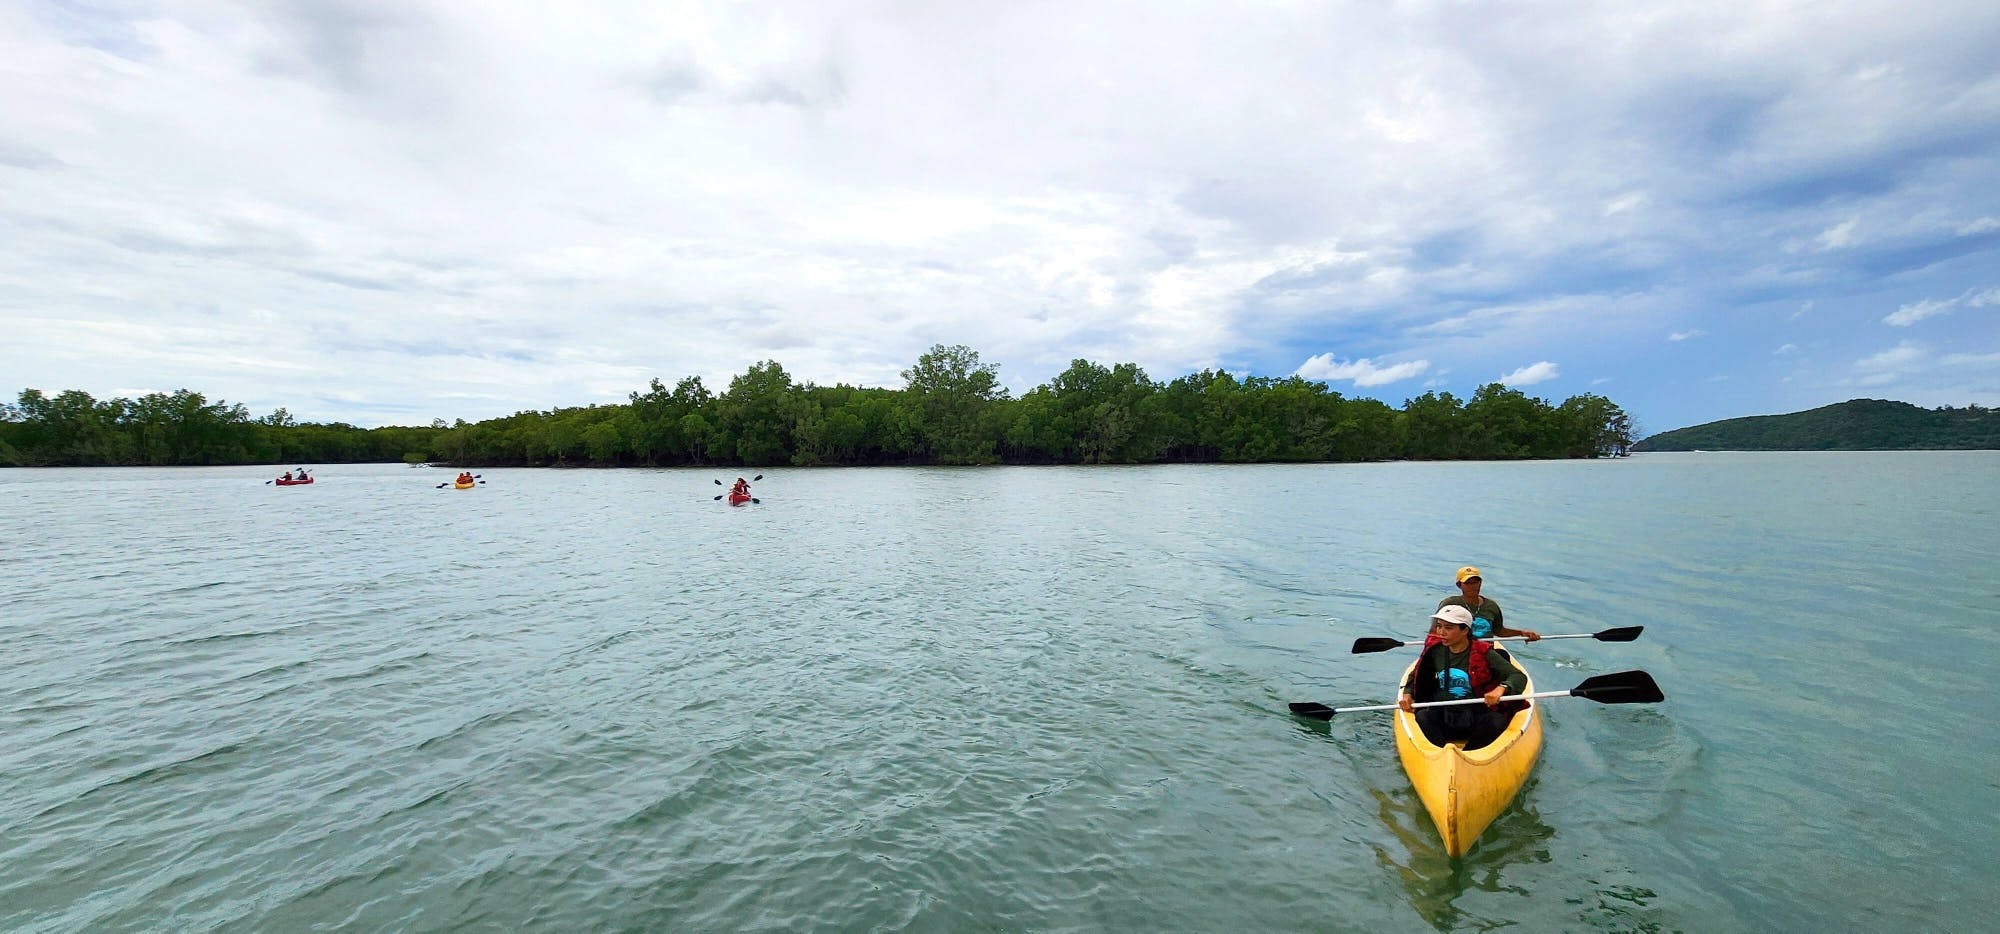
1008	699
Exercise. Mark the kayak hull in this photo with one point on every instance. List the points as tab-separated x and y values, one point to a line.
462	486
293	482
1465	791
738	499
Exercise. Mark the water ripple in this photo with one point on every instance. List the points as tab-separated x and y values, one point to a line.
1036	698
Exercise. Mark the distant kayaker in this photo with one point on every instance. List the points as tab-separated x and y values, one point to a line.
1457	667
288	475
1485	613
742	488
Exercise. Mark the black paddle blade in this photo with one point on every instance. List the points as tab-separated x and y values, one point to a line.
1624	687
755	500
718	496
718	483
1624	634
1365	646
1313	710
756	478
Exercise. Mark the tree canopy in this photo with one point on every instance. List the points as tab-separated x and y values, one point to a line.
951	410
1854	425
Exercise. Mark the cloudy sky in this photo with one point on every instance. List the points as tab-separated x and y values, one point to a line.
388	212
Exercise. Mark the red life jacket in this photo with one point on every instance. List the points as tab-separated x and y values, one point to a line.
1479	672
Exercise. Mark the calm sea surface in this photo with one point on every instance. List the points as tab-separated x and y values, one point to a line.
987	699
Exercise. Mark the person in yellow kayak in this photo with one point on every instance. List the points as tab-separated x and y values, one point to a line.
464	477
1455	666
1485	612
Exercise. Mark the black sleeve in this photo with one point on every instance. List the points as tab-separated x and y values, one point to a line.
1422	683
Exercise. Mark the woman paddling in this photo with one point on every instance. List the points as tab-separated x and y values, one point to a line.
1454	667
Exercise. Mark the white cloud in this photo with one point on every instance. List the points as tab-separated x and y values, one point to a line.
1531	374
1625	202
1891	365
1839	235
1363	372
1803	308
1983	299
1979	226
1685	335
1970	360
1917	311
1900	355
1785	350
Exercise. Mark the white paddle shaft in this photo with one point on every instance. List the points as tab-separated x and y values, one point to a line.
1455	703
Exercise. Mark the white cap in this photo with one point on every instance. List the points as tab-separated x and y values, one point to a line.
1454	614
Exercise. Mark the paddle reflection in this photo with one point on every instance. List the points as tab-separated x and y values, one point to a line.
1435	880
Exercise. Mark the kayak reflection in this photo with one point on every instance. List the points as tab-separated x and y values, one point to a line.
1435	880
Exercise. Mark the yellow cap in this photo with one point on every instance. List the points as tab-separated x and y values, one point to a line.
1469	572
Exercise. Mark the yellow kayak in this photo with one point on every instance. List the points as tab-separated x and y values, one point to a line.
1465	791
460	486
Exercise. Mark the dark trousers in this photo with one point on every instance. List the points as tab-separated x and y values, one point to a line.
1475	724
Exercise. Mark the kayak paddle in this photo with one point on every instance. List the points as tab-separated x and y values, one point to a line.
1620	634
450	482
753	499
1624	687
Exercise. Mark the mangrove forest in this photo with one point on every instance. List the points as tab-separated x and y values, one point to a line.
950	410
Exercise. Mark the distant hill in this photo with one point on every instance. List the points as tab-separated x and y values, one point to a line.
1854	425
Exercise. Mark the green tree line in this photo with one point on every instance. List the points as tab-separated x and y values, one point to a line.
951	410
183	428
1854	425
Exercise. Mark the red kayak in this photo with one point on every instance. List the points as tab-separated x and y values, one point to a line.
292	482
738	499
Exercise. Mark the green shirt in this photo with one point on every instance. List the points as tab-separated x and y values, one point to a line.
1488	611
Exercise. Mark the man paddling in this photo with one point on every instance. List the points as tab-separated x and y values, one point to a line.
1456	667
1485	613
